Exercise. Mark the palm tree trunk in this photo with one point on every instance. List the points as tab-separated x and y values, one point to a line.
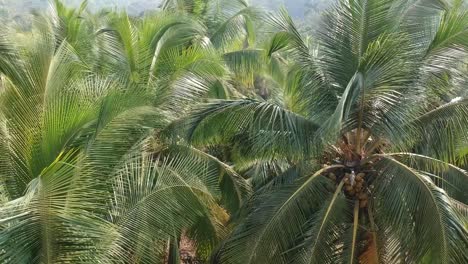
371	254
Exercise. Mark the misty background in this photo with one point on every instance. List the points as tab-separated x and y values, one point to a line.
16	10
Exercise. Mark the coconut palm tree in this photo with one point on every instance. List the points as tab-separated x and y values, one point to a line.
363	140
86	176
233	30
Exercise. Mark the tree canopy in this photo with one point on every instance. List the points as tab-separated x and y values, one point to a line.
220	125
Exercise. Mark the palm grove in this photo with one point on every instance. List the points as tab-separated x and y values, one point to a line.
216	122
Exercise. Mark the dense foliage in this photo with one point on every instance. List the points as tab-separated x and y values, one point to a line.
213	122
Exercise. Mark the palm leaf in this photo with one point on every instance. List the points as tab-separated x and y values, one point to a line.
264	228
402	202
274	129
446	176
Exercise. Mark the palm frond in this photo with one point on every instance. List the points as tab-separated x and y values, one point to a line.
263	236
445	175
441	129
235	27
48	210
287	36
404	206
149	195
272	129
347	31
325	228
234	190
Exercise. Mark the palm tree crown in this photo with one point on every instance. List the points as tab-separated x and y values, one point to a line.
360	139
214	122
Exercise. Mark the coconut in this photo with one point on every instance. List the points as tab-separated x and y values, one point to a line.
332	176
349	188
363	196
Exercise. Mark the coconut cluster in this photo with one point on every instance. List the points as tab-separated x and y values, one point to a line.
355	186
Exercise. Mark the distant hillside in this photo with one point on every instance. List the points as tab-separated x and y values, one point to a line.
306	12
297	8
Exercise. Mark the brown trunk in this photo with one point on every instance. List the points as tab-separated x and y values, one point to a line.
371	254
188	250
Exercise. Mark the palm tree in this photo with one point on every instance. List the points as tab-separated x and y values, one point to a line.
360	148
86	173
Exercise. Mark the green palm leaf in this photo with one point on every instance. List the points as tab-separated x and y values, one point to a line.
411	201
